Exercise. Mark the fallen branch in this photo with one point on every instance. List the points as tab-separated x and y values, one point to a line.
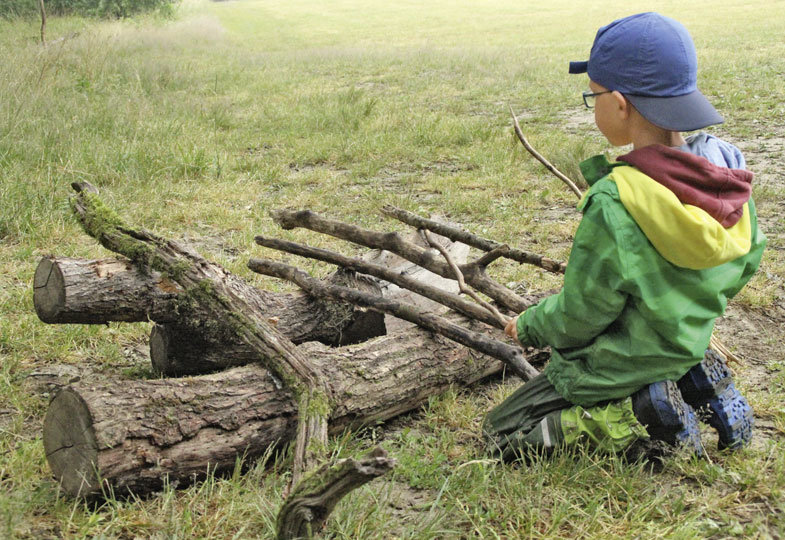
306	509
473	273
501	319
459	235
561	176
512	355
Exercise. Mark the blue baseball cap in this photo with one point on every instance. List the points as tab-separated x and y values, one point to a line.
651	60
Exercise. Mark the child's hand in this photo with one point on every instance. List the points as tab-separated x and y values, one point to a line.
512	329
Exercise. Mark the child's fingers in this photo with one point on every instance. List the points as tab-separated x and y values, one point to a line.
512	328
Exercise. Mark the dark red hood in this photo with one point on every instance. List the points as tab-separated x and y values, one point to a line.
720	191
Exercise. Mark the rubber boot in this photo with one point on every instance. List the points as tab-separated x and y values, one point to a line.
667	417
709	388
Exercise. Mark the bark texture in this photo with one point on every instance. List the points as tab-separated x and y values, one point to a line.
133	435
68	290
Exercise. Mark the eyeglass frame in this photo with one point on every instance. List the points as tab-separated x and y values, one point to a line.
589	94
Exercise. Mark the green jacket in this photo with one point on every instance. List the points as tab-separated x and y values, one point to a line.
627	316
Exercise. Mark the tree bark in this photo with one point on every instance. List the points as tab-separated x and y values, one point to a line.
134	434
68	290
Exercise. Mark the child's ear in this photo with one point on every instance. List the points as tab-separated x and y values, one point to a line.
622	105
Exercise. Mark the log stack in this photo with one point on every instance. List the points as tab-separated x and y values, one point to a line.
261	368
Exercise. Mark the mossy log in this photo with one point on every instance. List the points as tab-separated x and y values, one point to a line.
130	436
68	290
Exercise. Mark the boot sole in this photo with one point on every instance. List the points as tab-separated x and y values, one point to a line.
709	388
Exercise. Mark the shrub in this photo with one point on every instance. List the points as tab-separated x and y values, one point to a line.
86	8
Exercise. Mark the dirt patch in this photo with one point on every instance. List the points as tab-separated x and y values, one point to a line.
756	336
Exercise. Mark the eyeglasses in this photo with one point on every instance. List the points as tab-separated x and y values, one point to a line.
588	97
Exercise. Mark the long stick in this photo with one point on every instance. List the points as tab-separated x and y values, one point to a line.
561	176
459	235
452	301
511	355
393	242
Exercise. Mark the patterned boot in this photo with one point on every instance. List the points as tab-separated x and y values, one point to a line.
667	417
709	388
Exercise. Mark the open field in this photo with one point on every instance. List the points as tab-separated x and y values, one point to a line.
196	127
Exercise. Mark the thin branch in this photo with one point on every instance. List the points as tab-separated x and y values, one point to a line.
561	176
720	347
459	235
452	301
393	242
461	283
43	21
511	355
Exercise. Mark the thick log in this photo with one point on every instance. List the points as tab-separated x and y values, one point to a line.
133	435
178	349
83	291
67	290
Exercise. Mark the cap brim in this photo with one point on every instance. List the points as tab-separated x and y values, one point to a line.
579	67
680	113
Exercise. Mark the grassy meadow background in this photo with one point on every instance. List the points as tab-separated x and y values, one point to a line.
196	126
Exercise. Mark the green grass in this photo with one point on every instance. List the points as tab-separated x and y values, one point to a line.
200	125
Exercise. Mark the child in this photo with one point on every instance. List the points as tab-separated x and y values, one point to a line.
669	234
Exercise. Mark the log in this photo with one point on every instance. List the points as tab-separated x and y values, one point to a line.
178	349
80	291
68	290
134	434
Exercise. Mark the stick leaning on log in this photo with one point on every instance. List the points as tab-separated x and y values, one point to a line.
714	342
474	272
231	314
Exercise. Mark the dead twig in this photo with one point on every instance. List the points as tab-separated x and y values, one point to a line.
548	165
720	347
459	278
459	235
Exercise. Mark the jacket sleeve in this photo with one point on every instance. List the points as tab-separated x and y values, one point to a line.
593	294
751	259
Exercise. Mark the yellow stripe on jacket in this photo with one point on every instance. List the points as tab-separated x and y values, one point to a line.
684	235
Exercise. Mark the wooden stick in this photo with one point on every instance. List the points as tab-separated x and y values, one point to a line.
461	283
561	176
43	21
509	354
393	242
436	294
306	509
720	347
459	235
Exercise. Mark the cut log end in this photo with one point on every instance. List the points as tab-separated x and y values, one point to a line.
70	444
48	291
